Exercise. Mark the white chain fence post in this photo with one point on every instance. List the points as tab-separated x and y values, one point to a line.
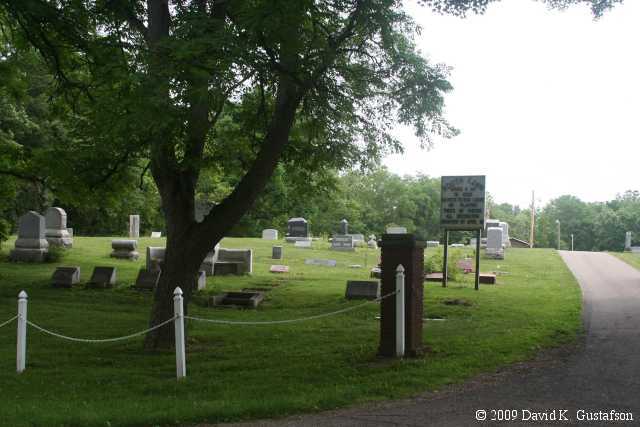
400	302
178	311
21	357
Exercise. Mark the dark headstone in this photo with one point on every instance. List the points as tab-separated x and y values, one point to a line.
488	278
102	277
223	268
276	252
65	277
147	280
243	299
298	227
344	227
402	249
362	289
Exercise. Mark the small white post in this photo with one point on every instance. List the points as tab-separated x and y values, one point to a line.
21	357
400	311
178	310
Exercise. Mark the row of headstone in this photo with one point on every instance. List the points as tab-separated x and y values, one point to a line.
36	233
66	277
493	223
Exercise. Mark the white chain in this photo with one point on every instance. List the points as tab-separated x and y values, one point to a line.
301	319
8	321
40	328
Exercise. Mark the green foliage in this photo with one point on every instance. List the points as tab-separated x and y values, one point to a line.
434	262
5	230
55	254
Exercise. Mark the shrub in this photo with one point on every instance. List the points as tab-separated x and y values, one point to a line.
55	254
433	262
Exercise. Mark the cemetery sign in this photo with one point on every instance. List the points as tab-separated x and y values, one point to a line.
462	202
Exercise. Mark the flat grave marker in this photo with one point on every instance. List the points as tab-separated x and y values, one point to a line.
65	277
147	280
324	262
362	289
279	269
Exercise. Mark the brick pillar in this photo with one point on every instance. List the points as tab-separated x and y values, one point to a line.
406	250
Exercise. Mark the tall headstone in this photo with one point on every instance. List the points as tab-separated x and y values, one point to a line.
31	245
155	258
134	226
298	227
627	241
402	249
56	232
505	234
344	227
494	243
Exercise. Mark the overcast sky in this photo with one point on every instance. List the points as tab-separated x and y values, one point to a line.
545	100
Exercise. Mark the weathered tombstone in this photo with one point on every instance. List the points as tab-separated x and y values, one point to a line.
396	230
302	243
433	243
65	277
56	233
269	234
202	280
279	269
234	261
494	243
102	277
209	262
627	241
344	227
358	239
297	228
276	252
124	249
155	257
31	245
156	234
505	234
488	278
134	226
147	280
402	249
362	289
372	244
342	243
325	262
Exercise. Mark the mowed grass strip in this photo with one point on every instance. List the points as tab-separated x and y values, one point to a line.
633	259
243	372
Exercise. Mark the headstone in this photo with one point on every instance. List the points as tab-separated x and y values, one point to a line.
494	243
487	278
325	262
396	230
372	244
627	241
202	280
505	234
342	243
147	280
124	249
402	249
56	233
362	289
156	234
65	277
31	245
433	243
358	239
297	227
102	277
344	227
243	299
279	269
234	261
269	234
155	258
276	252
209	262
302	243
134	226
491	223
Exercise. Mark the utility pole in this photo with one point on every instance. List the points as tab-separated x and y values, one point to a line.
533	218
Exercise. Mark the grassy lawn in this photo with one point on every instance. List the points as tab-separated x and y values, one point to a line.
628	257
243	372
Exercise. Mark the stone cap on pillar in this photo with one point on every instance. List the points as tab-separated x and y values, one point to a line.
401	240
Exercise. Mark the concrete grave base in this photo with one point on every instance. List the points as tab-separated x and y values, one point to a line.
28	255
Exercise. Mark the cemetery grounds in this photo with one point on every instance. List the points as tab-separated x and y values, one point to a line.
237	372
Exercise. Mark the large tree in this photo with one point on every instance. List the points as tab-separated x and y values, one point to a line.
310	83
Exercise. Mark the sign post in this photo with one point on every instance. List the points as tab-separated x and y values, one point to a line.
462	208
